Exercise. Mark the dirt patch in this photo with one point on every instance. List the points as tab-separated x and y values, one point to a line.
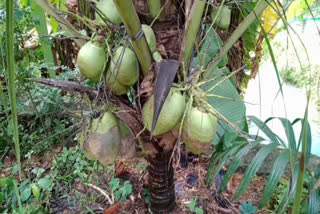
79	197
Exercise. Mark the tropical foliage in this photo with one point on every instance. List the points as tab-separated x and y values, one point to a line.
39	42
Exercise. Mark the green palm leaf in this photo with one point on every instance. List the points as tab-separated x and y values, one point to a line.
266	130
254	167
274	177
290	191
235	164
222	158
309	139
289	132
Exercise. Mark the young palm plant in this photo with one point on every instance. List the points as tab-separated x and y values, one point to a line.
204	81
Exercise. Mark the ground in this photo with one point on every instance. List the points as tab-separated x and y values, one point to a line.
90	191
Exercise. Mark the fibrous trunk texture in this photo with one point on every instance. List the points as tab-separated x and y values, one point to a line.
161	183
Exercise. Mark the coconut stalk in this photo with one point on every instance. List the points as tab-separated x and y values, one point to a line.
11	79
84	10
133	26
154	8
191	30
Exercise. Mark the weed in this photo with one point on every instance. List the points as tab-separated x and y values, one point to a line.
121	192
142	167
192	207
247	208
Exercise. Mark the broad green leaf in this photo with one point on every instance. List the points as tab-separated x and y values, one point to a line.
35	191
209	49
226	71
233	110
274	177
254	166
221	159
44	183
114	184
26	194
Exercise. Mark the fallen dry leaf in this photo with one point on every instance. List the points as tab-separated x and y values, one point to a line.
113	209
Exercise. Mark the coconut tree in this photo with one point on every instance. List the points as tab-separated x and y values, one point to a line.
164	71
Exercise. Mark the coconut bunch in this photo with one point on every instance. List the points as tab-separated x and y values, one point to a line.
186	119
106	139
123	70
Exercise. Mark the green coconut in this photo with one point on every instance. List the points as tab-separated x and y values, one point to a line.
170	115
115	86
222	20
150	37
102	142
198	130
124	66
109	9
91	61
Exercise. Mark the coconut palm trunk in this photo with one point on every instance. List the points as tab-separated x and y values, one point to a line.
161	183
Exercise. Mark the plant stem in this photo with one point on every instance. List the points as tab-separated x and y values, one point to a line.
191	30
302	164
133	26
3	100
11	79
243	26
